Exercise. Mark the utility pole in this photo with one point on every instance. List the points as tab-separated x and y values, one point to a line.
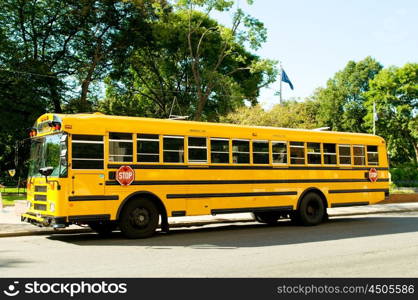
281	77
374	118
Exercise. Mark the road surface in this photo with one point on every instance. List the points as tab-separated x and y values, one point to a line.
365	246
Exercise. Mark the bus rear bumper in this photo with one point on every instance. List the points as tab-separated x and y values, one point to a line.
44	221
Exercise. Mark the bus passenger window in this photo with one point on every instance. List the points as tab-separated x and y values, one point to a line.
372	156
87	151
148	148
198	152
120	147
344	154
240	151
219	151
297	153
279	150
314	153
330	154
359	155
260	152
173	149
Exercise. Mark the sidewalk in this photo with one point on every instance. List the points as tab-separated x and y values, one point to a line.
10	224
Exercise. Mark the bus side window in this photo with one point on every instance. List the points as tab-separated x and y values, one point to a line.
314	153
198	151
297	153
279	152
330	154
219	151
173	148
359	155
344	152
148	148
240	151
260	152
120	147
372	156
87	151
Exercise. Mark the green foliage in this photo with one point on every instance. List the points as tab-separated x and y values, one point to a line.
395	92
405	175
342	100
289	114
217	75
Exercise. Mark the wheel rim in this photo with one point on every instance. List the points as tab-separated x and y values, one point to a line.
312	209
139	217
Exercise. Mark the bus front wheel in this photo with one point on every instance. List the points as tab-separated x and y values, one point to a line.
139	218
311	210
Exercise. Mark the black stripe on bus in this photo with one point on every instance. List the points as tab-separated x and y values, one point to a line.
358	191
245	181
250	209
213	167
224	195
93	198
88	218
346	204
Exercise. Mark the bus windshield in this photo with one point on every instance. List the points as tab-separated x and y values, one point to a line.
48	151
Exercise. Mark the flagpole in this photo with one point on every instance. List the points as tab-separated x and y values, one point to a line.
281	77
374	118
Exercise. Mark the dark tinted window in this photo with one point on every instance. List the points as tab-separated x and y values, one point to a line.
219	151
87	152
330	154
120	147
372	155
314	153
279	150
197	149
148	148
173	149
297	153
240	152
260	152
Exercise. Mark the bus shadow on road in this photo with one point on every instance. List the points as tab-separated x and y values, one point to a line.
239	235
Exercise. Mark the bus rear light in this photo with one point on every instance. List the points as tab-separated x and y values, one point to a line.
33	132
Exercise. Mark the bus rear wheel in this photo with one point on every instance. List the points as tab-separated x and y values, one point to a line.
267	217
311	210
139	218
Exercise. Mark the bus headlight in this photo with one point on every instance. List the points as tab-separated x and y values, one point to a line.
51	207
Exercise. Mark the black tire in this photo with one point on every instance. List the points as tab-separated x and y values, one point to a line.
311	210
267	217
139	219
103	228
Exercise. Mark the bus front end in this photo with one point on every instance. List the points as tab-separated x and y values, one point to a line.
47	174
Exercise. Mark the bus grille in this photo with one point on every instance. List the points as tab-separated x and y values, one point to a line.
37	206
38	197
40	188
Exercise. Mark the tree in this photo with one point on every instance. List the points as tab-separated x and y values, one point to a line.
395	92
161	71
289	114
244	30
341	102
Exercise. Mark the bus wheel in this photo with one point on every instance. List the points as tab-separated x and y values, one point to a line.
311	210
139	218
103	228
267	217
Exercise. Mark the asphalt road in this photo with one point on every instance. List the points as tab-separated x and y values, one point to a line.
371	246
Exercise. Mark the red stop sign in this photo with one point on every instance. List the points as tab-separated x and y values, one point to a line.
125	175
373	175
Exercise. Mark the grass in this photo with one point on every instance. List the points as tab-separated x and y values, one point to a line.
10	199
12	190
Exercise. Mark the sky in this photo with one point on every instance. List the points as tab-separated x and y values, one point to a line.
315	39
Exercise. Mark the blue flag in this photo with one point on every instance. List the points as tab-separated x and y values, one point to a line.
286	79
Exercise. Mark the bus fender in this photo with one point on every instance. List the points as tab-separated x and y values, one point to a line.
315	190
149	195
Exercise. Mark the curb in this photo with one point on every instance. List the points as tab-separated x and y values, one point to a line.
189	224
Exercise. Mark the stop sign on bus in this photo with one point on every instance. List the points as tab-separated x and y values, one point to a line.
373	175
125	175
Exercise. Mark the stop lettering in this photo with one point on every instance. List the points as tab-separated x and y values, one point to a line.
125	175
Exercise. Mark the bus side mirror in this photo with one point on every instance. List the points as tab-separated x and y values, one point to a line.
46	172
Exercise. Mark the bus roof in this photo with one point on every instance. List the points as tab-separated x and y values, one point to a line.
169	126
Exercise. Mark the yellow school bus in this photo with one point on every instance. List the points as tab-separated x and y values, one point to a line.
132	173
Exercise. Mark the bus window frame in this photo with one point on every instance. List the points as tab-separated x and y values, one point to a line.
159	149
249	151
268	152
185	158
304	154
198	147
351	154
287	153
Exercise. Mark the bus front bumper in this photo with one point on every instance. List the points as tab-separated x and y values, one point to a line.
43	220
